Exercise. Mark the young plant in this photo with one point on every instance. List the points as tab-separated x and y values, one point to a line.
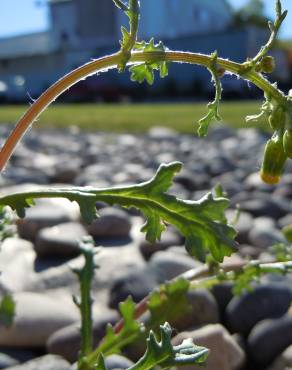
208	235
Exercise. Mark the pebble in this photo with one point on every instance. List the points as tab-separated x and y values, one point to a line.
102	160
66	341
265	301
162	133
284	361
263	238
48	362
243	225
269	338
168	239
113	362
225	354
113	223
60	241
46	213
204	309
37	317
223	295
134	282
263	204
16	264
168	264
7	361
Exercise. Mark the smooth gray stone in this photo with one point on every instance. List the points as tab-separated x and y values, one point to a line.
225	353
113	223
270	338
263	204
265	237
264	302
284	361
7	361
60	241
168	264
117	362
48	362
37	317
243	225
46	213
66	341
169	238
135	282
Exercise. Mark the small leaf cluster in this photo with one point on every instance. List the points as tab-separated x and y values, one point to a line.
163	354
169	302
129	37
282	252
114	341
7	228
145	71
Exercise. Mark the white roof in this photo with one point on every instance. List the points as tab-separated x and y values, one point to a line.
58	1
26	45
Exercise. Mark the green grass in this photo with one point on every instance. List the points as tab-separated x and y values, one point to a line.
132	117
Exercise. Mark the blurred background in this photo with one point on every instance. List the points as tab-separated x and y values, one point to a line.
40	40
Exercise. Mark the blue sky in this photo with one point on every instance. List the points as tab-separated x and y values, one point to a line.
25	16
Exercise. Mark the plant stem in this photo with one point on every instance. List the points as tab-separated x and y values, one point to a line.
48	97
199	279
111	61
85	276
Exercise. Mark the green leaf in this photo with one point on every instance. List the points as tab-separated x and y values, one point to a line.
169	302
145	72
88	209
132	11
7	226
7	310
244	280
100	365
202	223
126	37
153	227
121	5
281	251
213	107
142	72
112	342
163	354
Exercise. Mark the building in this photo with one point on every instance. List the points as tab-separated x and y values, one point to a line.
85	29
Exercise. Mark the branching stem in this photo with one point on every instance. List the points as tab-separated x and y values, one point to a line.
111	61
200	278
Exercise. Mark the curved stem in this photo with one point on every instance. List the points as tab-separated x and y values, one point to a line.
48	97
111	61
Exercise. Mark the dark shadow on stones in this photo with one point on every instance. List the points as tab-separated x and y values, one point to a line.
42	264
113	242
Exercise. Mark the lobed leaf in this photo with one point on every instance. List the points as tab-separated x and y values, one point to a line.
145	71
163	354
202	223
